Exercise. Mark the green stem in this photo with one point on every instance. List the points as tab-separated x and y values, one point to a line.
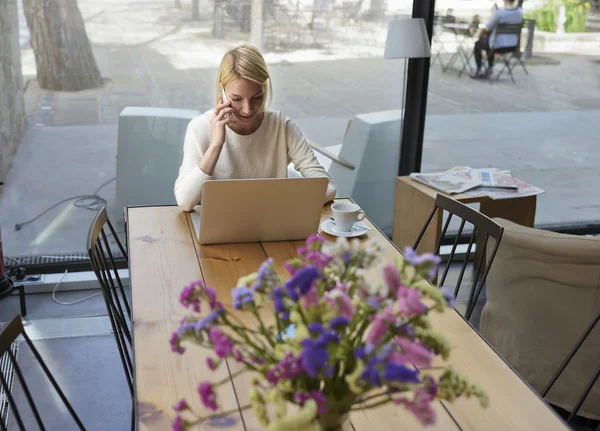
371	406
373	397
263	328
231	377
263	348
220	414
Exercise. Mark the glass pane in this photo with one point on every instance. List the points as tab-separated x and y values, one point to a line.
93	135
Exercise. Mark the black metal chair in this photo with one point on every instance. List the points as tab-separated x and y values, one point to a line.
483	226
103	262
8	336
511	57
562	367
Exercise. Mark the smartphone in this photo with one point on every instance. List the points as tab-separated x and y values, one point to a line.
224	98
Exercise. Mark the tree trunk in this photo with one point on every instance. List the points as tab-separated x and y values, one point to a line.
12	105
63	54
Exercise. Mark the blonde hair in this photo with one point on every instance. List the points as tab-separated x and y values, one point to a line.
244	61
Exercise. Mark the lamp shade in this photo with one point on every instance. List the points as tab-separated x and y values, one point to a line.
407	38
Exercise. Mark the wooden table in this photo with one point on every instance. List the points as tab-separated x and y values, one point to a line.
414	202
164	256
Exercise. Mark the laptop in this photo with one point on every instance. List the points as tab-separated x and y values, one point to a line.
253	210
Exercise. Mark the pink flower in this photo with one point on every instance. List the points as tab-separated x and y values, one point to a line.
190	295
208	396
409	302
212	365
341	303
178	424
181	405
212	297
237	355
221	343
412	353
420	406
311	299
380	326
175	342
391	275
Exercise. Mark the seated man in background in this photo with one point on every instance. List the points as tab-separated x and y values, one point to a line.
492	43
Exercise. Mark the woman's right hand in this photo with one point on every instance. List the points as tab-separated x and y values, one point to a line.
218	121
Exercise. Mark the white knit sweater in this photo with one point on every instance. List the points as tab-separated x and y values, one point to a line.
265	153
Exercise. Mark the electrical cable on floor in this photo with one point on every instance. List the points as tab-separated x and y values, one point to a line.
69	303
96	203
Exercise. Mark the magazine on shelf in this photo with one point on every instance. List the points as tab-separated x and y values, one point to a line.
493	182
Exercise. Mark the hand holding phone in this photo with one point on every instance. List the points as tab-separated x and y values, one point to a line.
224	98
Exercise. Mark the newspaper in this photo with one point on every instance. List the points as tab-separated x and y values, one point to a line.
524	189
493	182
455	180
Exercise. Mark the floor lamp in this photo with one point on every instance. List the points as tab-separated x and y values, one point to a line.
406	38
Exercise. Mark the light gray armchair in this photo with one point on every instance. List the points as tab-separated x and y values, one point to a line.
542	293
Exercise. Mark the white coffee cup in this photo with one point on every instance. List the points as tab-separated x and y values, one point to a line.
345	214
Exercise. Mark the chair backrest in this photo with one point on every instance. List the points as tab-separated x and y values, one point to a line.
543	301
482	227
503	28
117	304
8	336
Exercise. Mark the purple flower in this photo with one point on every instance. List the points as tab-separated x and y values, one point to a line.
374	302
212	297
278	300
311	299
339	322
340	303
176	343
360	353
208	396
327	337
212	365
411	353
391	275
178	424
420	406
318	396
221	343
314	357
380	326
423	262
449	295
237	355
315	240
181	405
315	328
263	275
190	295
241	296
302	280
409	302
400	373
203	323
289	368
371	374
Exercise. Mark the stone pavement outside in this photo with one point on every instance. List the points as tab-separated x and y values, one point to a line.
543	127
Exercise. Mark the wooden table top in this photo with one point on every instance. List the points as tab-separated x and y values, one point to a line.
164	256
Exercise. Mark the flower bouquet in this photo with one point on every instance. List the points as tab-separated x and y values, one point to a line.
328	341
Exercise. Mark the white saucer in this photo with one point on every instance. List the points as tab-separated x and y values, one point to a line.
359	228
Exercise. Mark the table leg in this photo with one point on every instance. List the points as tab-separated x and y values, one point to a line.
411	210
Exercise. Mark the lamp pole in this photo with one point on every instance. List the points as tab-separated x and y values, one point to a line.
414	110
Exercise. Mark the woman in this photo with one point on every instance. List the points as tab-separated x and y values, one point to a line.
241	138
